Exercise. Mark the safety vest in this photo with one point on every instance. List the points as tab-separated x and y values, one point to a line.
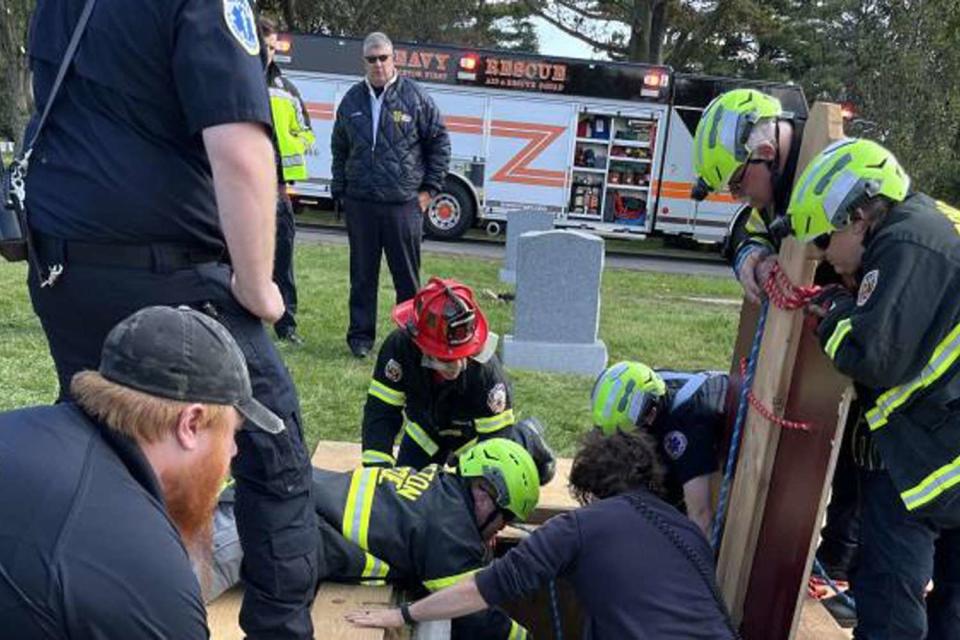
293	135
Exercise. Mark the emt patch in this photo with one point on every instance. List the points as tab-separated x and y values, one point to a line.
497	398
867	287
675	443
393	371
239	18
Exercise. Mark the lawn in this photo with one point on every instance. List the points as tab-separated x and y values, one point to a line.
664	320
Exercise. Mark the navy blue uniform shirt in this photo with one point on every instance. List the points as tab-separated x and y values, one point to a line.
121	158
86	547
633	579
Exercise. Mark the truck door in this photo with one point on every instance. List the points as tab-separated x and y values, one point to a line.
527	154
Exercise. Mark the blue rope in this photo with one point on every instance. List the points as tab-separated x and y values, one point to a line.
745	384
843	595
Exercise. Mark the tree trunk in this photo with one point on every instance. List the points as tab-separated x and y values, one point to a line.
289	10
658	27
639	48
16	101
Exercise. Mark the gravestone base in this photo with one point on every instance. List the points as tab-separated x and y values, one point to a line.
587	359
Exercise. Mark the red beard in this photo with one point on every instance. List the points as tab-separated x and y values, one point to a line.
191	497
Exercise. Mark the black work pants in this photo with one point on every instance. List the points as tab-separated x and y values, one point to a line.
275	514
899	554
283	266
376	228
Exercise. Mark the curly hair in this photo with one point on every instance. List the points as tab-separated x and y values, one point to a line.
606	466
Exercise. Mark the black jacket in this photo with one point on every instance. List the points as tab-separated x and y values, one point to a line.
689	426
88	549
639	568
445	414
406	527
411	152
900	340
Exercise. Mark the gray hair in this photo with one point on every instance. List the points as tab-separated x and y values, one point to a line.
375	40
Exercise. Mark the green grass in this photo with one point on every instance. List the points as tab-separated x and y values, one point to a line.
644	316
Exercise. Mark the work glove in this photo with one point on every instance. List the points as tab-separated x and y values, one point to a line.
833	303
529	434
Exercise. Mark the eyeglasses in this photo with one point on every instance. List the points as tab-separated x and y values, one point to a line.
383	57
736	180
822	241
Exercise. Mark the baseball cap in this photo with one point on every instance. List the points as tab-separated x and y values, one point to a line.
182	354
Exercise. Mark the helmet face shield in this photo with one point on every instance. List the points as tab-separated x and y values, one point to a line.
720	141
840	178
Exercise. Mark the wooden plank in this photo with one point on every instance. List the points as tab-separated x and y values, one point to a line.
798	492
333	601
815	623
773	376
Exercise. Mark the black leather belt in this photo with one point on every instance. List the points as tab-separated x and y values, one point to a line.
155	257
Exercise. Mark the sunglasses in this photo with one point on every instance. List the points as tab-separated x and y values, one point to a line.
736	180
383	57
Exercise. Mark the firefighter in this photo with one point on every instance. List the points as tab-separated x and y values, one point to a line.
685	414
898	338
639	568
438	378
747	143
293	137
424	529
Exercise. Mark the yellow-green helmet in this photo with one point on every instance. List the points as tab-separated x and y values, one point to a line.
623	394
509	469
720	143
838	179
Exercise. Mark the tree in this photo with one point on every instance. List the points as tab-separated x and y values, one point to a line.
16	99
480	23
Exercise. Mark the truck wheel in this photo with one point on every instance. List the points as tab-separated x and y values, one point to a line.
450	213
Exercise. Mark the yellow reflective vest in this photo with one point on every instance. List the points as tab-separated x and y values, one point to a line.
291	125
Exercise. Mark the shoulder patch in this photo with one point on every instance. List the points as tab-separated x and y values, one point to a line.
497	398
393	371
867	286
674	443
242	25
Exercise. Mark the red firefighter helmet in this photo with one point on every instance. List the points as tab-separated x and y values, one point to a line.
445	322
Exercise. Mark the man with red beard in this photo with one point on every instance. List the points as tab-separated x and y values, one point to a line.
105	501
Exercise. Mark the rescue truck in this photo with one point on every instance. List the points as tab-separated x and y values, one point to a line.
605	146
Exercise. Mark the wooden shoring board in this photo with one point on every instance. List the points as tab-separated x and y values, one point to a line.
815	623
772	386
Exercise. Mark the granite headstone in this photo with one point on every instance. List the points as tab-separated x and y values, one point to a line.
519	223
557	306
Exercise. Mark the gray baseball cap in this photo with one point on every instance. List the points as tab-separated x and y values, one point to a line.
182	354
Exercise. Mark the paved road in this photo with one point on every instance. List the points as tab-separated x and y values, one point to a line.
494	251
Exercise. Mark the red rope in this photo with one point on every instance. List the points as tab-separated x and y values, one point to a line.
783	293
767	412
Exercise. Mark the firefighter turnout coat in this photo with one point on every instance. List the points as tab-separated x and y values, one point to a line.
900	338
407	527
439	416
291	126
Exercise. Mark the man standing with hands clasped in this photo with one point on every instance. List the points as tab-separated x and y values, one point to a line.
390	156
